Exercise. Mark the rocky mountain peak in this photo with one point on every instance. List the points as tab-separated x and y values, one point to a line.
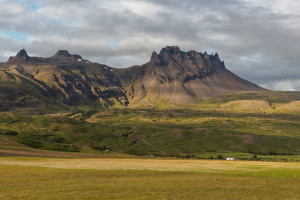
21	56
170	54
172	64
63	53
171	50
182	77
66	53
22	53
154	57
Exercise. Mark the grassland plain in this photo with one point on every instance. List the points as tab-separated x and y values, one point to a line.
87	178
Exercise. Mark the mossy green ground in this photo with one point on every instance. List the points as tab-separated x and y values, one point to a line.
32	182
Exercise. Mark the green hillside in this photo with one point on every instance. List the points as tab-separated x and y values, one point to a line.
211	126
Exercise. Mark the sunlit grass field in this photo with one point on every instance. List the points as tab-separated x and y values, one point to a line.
103	178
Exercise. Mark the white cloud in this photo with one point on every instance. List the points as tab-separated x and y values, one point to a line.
11	7
286	85
143	8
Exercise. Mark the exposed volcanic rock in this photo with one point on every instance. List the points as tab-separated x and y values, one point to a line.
22	54
183	66
181	77
64	55
172	75
66	78
20	57
23	59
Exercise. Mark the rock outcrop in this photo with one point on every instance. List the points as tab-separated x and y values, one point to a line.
21	57
64	55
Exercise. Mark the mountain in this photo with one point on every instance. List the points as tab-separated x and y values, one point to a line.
181	77
68	79
60	79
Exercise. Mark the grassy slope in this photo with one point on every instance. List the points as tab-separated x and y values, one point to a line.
205	127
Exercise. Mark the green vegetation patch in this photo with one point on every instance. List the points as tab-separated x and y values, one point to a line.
165	130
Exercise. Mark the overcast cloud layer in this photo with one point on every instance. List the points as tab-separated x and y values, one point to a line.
259	40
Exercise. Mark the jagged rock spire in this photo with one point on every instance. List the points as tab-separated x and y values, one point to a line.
21	56
22	53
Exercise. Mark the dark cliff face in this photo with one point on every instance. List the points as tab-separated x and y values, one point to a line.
63	53
173	64
22	54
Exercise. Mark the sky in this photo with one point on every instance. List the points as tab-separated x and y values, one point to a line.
259	40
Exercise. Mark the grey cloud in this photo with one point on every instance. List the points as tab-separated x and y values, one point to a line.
255	42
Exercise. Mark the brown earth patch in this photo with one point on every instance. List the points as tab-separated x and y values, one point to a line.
35	153
250	139
197	130
226	123
238	147
176	133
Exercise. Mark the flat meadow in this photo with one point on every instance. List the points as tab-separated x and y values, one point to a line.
146	178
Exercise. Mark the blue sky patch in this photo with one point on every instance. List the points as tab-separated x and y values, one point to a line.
115	43
16	35
33	7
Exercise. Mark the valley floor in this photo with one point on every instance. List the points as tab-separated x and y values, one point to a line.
136	178
61	155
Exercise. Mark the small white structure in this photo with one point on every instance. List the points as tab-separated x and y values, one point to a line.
230	159
287	90
79	60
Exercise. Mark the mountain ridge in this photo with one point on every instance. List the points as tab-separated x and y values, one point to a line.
182	77
173	75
